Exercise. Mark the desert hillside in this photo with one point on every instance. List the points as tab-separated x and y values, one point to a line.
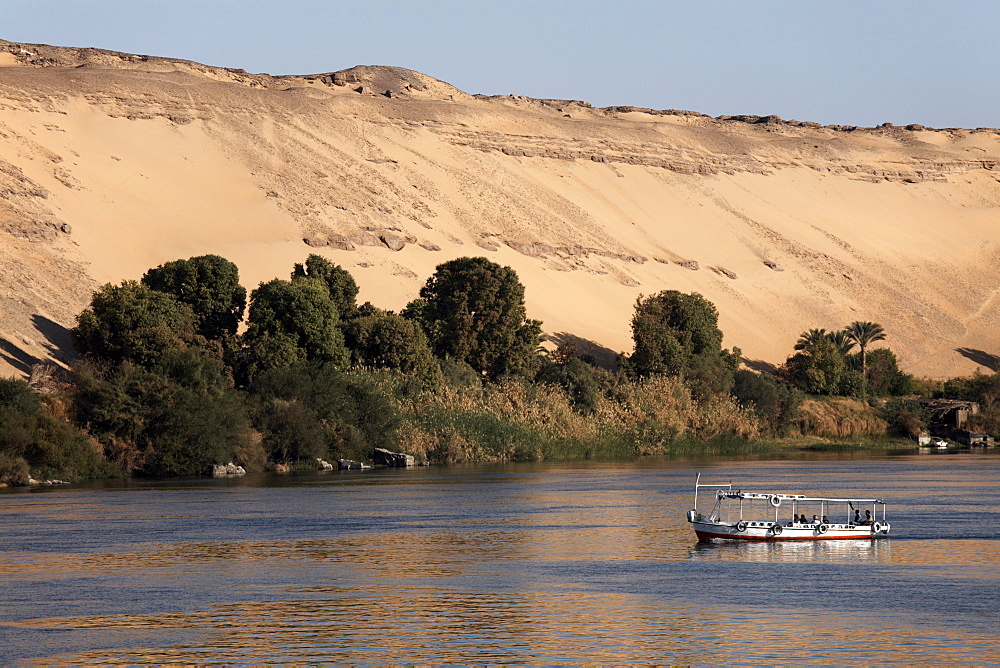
113	163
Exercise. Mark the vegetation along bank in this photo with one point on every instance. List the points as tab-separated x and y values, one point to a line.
168	386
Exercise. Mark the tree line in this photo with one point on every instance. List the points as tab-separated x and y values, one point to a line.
167	385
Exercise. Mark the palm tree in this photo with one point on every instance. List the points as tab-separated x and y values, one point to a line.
842	340
810	338
864	333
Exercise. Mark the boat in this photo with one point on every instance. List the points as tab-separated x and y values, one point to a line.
768	516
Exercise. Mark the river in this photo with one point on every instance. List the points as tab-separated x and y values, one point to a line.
545	563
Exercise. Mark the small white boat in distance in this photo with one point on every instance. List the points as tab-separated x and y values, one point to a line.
739	515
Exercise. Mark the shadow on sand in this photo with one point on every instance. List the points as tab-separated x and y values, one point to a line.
980	357
585	348
16	357
58	341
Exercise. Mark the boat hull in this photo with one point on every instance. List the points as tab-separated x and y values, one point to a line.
765	531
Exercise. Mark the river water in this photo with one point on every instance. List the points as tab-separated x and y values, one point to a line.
547	563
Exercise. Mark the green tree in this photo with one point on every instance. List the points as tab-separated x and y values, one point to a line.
291	322
776	403
342	286
133	322
34	440
864	334
906	417
389	341
983	389
842	340
210	285
584	383
177	418
883	375
315	410
818	370
473	311
677	334
809	338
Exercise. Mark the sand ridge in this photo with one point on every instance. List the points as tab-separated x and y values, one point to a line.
113	163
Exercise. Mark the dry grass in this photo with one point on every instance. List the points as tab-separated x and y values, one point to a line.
840	417
519	421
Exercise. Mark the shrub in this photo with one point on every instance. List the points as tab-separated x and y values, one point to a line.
179	418
584	383
33	439
905	417
314	411
775	403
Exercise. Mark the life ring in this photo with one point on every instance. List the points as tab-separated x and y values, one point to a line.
822	529
741	525
885	528
877	527
775	501
776	529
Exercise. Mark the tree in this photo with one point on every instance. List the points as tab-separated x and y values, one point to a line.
906	417
210	285
178	417
864	334
389	341
133	322
775	403
584	383
809	338
883	375
315	410
818	370
473	311
343	289
677	334
33	439
842	341
291	322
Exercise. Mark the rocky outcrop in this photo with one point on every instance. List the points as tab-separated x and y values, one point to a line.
722	271
532	249
365	240
227	470
383	457
351	465
392	242
340	242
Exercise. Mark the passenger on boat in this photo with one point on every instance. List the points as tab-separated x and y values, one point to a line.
868	517
815	520
795	519
857	516
825	520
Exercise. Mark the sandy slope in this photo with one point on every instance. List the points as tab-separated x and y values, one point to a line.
113	163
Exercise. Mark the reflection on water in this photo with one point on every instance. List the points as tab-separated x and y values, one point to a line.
540	564
829	551
551	626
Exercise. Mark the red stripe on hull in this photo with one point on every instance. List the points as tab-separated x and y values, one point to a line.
762	539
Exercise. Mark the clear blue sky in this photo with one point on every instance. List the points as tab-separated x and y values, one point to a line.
847	61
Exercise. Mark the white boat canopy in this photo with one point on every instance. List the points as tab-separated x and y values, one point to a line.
738	494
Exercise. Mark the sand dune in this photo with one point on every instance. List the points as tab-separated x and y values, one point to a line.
113	163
